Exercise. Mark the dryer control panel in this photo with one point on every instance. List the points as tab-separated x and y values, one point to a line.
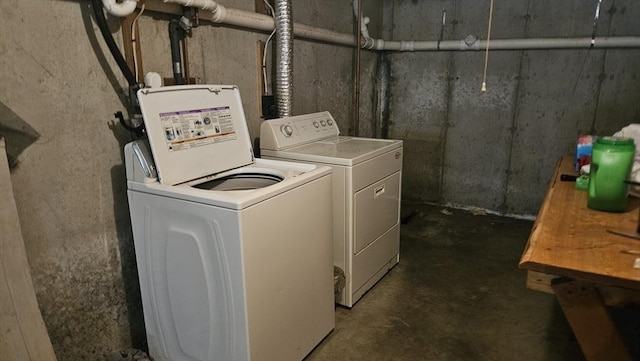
282	133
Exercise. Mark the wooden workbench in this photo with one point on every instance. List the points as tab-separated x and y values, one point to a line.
571	254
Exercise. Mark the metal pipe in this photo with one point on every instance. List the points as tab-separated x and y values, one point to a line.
383	87
356	92
185	59
175	36
471	43
251	20
284	57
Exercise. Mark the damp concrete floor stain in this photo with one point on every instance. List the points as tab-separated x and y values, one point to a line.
457	294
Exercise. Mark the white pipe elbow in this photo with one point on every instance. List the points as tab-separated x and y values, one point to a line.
369	43
219	14
122	9
364	30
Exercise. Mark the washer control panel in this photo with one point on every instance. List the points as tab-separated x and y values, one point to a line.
281	133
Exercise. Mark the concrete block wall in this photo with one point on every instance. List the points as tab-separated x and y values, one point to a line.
496	150
59	80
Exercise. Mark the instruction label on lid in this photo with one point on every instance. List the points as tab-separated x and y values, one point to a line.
187	129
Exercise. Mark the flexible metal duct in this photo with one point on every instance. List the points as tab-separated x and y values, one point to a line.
284	57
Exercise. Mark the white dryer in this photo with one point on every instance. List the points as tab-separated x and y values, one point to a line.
366	192
234	263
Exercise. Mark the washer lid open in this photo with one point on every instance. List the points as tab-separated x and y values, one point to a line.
195	130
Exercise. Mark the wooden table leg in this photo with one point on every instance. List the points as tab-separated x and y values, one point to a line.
591	324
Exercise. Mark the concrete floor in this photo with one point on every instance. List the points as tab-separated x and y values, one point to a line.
457	294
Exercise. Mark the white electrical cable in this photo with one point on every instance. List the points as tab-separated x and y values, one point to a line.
486	53
264	62
134	24
264	52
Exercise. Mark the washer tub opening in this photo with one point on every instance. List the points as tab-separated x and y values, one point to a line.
240	182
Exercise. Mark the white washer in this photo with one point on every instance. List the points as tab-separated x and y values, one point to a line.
234	263
366	192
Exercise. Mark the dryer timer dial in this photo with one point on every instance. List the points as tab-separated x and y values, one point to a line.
287	130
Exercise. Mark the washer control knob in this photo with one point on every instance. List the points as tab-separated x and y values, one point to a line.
329	122
286	129
316	124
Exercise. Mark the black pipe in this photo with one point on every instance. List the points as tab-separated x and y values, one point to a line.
113	47
176	34
138	131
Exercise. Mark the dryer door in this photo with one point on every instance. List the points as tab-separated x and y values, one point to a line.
376	210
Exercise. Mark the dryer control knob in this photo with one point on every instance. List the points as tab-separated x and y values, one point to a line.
316	124
286	129
330	122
